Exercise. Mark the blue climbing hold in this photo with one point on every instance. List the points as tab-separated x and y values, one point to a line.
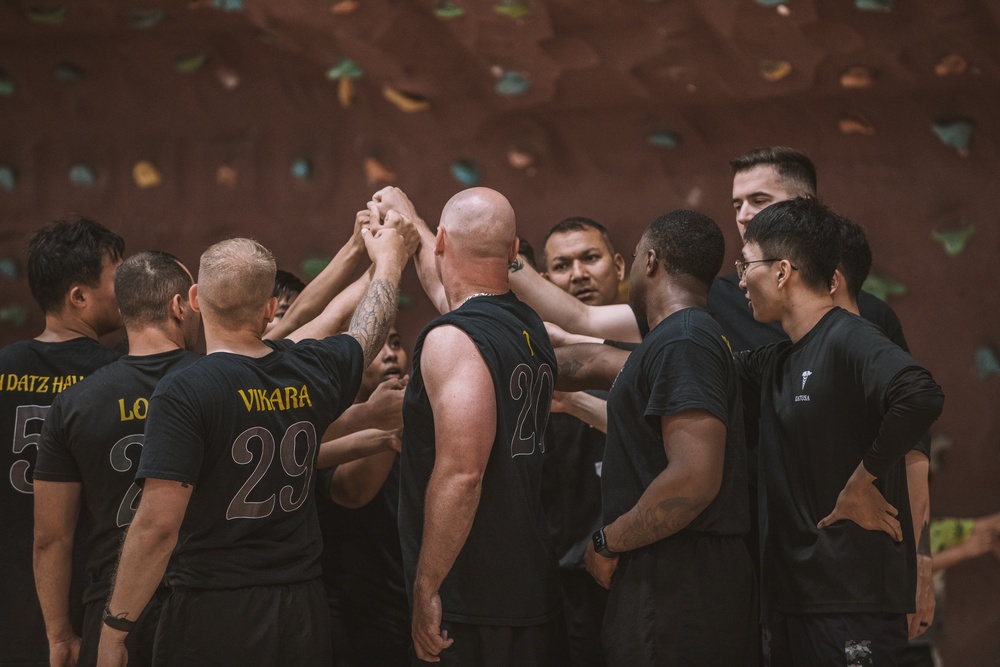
511	84
664	139
874	5
302	169
771	3
467	172
228	5
987	363
81	174
68	73
345	69
8	177
16	315
956	133
8	268
6	84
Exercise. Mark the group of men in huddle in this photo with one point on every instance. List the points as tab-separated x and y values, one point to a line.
765	464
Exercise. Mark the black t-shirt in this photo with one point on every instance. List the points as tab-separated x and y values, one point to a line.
571	484
506	573
32	373
362	560
822	404
245	432
683	364
93	435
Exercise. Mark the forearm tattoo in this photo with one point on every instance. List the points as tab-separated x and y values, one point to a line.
570	368
374	316
924	541
516	265
668	517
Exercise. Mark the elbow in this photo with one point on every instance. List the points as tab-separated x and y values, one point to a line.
47	540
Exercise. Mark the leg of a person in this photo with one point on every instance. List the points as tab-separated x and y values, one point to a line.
139	641
92	625
583	608
361	643
304	625
846	640
541	645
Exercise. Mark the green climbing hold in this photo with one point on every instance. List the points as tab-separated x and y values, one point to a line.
512	84
228	5
8	268
954	240
987	363
6	84
302	169
81	174
955	133
405	300
68	73
8	177
313	266
883	288
146	18
771	3
874	5
664	139
54	14
15	315
467	172
515	9
345	69
190	63
448	10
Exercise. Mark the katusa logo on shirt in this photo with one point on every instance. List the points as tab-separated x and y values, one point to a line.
805	378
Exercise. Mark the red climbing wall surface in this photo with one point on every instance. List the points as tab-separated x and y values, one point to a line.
181	123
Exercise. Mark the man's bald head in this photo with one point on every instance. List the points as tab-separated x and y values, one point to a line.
480	223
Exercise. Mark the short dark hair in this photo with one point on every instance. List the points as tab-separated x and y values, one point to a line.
855	255
805	232
66	252
145	285
525	249
689	243
791	165
286	283
580	224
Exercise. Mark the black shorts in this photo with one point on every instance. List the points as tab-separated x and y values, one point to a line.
685	600
836	640
139	641
583	608
284	626
502	645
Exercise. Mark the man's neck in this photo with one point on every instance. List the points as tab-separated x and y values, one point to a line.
803	314
60	329
151	340
670	299
240	341
490	277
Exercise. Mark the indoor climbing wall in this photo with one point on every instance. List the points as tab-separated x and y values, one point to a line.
179	123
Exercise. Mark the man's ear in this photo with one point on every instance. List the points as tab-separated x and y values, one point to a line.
651	262
837	282
177	308
514	247
619	266
785	272
271	308
77	296
193	298
439	241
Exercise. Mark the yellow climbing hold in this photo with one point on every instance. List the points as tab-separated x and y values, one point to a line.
408	102
775	70
146	174
376	172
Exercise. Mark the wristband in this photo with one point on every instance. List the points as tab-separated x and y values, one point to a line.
601	544
121	624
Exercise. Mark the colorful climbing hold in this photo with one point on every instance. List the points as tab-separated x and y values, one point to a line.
146	175
770	3
228	5
345	7
448	10
951	64
8	177
520	159
6	84
874	5
408	102
302	169
376	172
955	133
405	299
954	240
8	268
81	174
467	172
226	175
68	73
857	76
775	70
883	288
856	124
53	14
146	18
664	139
346	68
229	79
313	266
14	315
987	363
512	83
190	63
515	9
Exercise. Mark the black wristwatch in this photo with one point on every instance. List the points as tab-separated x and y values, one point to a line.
121	624
601	544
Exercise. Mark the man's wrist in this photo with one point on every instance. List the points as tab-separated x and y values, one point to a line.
600	542
119	622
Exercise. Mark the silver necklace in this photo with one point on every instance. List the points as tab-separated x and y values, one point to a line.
473	296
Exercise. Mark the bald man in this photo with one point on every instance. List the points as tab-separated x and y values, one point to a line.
482	577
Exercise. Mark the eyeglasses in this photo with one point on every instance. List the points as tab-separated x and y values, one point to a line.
741	266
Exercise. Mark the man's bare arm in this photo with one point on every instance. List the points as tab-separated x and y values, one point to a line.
377	310
357	445
695	443
585	407
588	366
460	390
145	553
918	486
616	321
337	314
57	506
356	483
324	287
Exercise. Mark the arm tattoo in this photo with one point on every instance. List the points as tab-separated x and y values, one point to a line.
570	368
667	518
373	317
924	541
516	265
